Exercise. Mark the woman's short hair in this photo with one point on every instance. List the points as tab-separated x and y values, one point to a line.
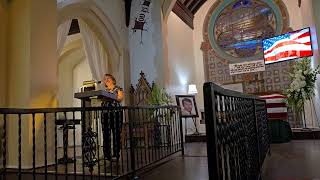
113	79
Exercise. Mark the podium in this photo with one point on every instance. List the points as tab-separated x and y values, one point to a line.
87	98
89	137
99	94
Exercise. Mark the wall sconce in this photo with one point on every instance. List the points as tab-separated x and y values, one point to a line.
192	89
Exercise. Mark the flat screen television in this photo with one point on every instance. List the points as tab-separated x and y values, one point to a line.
287	46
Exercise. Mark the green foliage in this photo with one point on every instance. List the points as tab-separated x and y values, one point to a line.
302	85
159	97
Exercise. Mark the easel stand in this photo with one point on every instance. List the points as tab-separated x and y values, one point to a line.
194	123
194	119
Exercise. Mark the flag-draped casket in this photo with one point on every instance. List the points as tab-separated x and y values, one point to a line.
276	106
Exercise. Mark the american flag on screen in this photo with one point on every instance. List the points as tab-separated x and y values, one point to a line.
287	46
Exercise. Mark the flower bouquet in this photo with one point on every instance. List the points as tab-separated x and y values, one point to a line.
302	85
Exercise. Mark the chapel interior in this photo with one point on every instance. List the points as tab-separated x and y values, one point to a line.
58	119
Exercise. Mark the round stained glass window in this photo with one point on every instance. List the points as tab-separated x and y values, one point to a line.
240	27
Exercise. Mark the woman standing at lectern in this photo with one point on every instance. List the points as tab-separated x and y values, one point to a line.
112	120
110	84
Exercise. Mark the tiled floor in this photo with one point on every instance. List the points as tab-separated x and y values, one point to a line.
297	160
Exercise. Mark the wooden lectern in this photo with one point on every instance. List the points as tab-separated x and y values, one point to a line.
99	94
93	99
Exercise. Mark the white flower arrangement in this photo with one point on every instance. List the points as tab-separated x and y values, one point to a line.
302	85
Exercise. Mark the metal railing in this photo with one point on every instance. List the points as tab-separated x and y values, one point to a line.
237	133
109	143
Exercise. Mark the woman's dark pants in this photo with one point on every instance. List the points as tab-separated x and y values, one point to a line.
111	125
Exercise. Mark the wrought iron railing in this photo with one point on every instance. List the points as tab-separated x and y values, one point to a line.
237	134
108	143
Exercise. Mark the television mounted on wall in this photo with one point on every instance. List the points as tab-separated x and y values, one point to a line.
287	46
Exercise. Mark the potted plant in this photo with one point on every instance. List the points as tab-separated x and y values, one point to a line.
159	97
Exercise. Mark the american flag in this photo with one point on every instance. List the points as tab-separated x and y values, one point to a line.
276	107
287	46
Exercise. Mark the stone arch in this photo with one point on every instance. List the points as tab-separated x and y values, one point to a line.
167	7
69	48
75	51
89	12
110	38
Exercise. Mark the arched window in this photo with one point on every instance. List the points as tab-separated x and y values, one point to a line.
236	28
242	25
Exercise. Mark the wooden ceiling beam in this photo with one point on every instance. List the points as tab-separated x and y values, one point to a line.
183	13
182	1
186	9
189	3
196	6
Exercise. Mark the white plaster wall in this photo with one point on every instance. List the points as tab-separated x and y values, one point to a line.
81	72
73	70
66	89
181	69
198	55
65	77
115	11
307	13
294	12
307	20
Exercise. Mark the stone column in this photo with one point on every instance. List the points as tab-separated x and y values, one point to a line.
3	63
32	73
3	53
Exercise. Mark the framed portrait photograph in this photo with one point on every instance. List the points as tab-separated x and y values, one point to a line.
188	105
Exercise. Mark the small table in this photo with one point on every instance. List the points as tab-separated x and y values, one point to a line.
66	125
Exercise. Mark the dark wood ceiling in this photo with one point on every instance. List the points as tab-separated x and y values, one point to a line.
186	9
193	5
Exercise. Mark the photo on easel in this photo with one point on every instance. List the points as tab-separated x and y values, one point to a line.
188	105
202	120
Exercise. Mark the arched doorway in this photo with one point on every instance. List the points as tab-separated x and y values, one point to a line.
104	30
76	63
